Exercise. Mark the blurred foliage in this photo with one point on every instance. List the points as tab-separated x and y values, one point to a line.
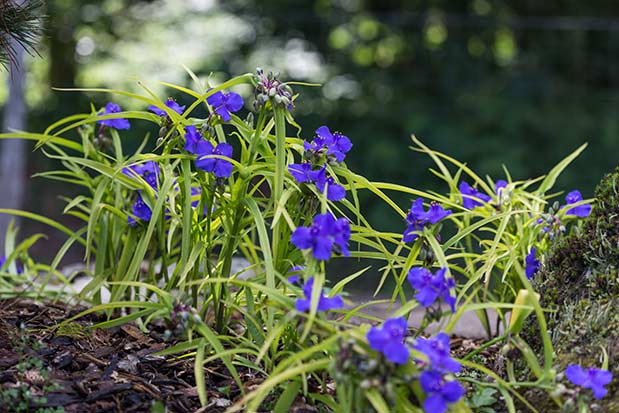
490	82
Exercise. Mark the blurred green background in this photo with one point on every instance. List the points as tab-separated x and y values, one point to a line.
518	83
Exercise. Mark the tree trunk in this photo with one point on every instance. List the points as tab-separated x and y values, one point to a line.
13	155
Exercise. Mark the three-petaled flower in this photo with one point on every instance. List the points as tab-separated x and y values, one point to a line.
436	349
120	123
389	340
303	173
439	392
471	197
432	286
225	103
532	264
580	211
324	303
417	218
194	142
149	171
220	167
332	144
592	378
170	103
325	234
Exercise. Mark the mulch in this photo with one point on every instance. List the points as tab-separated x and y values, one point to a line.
47	369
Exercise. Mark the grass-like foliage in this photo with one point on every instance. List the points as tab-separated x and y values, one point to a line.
163	230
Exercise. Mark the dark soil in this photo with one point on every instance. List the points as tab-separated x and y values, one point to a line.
44	368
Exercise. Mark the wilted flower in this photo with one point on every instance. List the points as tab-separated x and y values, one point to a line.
417	218
471	197
149	171
499	185
580	211
120	123
225	103
592	378
531	263
439	391
325	233
389	340
436	350
171	103
220	167
324	303
333	144
432	286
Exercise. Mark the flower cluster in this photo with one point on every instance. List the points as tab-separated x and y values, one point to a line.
326	148
551	220
437	364
389	340
150	173
120	123
432	286
324	303
418	218
324	235
197	145
269	87
592	378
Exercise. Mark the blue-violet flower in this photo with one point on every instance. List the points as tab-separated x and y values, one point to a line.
323	235
171	103
120	123
225	103
580	211
220	167
531	263
389	340
432	286
471	197
439	391
436	350
336	144
417	218
324	303
592	378
149	171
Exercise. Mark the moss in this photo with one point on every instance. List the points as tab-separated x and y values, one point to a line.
580	285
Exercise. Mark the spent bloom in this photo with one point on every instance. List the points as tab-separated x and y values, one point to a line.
324	303
432	286
225	103
471	197
220	167
332	144
499	185
170	103
436	349
592	378
439	391
580	211
417	218
325	234
389	340
531	263
120	123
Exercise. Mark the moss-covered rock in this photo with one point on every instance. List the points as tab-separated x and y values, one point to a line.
580	283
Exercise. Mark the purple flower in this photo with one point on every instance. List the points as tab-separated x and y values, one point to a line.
225	103
194	142
325	234
498	187
432	286
389	340
417	218
336	144
113	123
439	391
324	303
437	351
171	103
335	192
149	171
19	269
531	263
471	197
296	270
140	210
302	172
220	167
580	211
592	378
